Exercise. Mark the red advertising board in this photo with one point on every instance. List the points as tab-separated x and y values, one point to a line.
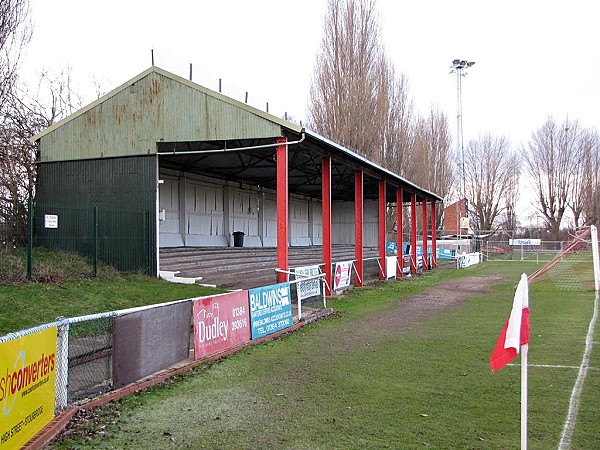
220	322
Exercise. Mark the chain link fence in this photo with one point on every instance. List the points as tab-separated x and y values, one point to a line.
89	357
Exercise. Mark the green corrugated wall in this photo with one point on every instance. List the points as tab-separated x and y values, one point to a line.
122	191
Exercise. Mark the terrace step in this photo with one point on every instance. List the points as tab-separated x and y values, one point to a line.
244	267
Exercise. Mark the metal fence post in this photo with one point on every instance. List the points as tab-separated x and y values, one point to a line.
147	241
62	366
95	263
29	238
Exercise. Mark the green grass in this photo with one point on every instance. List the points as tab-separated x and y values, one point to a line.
68	290
429	386
586	433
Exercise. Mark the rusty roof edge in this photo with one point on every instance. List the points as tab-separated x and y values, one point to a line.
155	69
376	167
92	105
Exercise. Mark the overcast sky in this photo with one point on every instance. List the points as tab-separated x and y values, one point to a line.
534	58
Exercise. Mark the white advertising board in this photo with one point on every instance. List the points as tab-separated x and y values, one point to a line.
390	266
341	278
468	259
308	288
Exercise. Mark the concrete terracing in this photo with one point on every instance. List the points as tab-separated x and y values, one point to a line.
244	267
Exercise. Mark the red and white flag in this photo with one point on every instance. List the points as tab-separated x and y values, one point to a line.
516	329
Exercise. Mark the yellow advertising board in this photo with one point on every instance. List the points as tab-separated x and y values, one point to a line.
27	385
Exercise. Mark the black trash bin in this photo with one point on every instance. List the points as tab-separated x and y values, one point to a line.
238	238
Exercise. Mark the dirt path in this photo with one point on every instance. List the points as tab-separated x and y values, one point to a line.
412	310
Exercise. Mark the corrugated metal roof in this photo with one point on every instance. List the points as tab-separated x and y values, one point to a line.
155	106
385	173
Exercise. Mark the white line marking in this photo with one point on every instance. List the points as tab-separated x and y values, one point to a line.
554	366
567	433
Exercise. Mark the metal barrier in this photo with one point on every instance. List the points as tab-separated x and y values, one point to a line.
310	287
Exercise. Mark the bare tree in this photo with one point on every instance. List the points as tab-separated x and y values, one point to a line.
356	96
399	129
23	116
491	180
590	178
348	95
433	156
585	181
430	157
550	161
15	33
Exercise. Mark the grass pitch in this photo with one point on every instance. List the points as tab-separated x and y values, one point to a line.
428	385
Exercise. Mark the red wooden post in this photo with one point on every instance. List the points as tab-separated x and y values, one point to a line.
399	210
433	236
358	227
382	229
424	209
413	232
282	208
326	210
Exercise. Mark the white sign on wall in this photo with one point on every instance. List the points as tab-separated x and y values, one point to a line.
50	221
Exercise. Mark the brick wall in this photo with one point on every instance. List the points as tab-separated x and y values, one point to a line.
452	215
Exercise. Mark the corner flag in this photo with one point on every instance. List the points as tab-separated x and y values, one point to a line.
516	329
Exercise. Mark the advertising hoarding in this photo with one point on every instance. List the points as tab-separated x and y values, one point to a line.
270	309
220	323
27	386
308	288
342	273
390	266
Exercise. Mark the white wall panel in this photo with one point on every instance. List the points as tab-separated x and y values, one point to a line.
270	209
252	212
298	223
342	223
168	201
204	208
317	223
245	212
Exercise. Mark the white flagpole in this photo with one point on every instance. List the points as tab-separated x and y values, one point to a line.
524	349
595	257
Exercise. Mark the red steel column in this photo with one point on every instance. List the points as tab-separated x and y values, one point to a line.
433	236
358	226
424	209
326	205
413	232
382	228
399	210
282	208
